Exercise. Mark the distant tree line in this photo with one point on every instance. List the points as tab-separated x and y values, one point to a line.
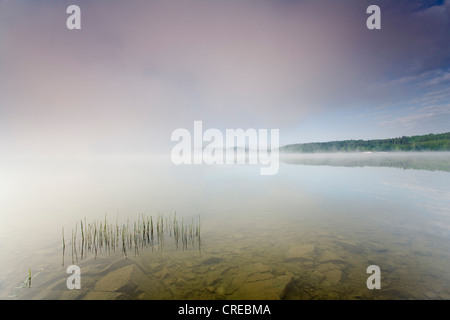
429	142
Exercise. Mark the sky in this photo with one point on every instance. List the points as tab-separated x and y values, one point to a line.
138	70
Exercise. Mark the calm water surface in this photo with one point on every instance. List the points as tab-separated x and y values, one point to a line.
309	232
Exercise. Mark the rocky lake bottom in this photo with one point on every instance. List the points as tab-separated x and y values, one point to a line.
301	263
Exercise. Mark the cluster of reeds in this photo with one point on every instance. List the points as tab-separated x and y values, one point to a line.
101	236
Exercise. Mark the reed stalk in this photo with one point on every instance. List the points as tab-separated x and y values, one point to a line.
103	237
63	246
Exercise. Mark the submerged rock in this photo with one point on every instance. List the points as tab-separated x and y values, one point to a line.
259	267
266	288
317	276
212	260
102	295
328	256
298	288
259	276
120	280
300	253
333	277
351	247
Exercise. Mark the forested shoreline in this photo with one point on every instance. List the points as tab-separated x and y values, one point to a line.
429	142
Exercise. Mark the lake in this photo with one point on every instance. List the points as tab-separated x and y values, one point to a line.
308	232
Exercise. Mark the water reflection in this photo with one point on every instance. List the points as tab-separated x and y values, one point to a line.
432	161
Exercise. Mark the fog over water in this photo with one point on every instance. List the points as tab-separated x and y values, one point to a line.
89	118
432	161
339	196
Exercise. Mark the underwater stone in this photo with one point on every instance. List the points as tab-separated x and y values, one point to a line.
333	276
328	256
119	280
300	252
212	260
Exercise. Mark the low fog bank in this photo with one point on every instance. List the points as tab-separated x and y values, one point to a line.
432	161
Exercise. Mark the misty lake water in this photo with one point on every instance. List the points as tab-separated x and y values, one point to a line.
308	232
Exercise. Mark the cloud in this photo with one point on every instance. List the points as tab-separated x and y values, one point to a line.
138	70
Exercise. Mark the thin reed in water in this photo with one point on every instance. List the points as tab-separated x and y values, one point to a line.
102	237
